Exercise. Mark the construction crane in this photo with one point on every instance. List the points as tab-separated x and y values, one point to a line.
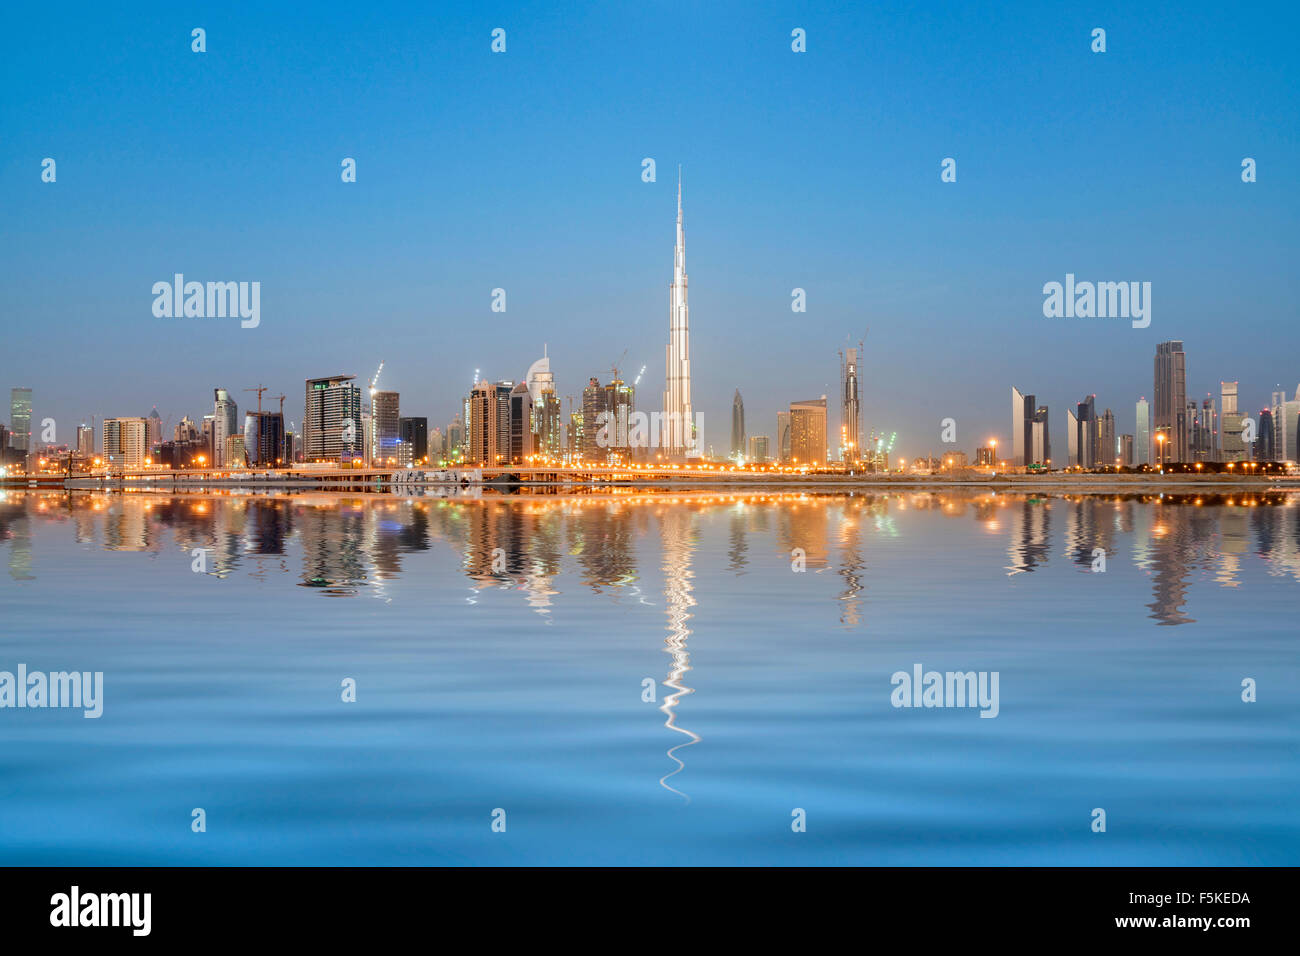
259	389
374	382
638	377
614	368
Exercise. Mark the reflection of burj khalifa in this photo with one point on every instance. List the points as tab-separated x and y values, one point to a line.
676	528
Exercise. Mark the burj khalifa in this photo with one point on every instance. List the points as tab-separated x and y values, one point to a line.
678	438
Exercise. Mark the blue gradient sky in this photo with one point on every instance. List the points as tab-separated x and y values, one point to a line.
818	170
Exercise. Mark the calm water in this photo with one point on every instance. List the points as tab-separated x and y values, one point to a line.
520	688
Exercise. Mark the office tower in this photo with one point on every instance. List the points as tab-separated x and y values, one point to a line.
1126	450
593	405
577	441
550	430
185	431
331	422
1022	414
489	429
783	436
437	446
1086	440
20	420
86	441
759	448
1040	444
4	445
1171	399
1265	448
521	424
263	439
1231	446
620	403
235	452
125	442
209	438
1286	423
155	428
808	431
737	427
1213	438
850	407
678	434
225	414
415	431
385	418
456	438
985	457
1142	449
1072	437
1107	449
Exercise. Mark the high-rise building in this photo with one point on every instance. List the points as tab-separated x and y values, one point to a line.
487	445
678	428
521	424
620	403
1107	449
1142	447
1286	424
235	454
1072	437
86	441
20	419
1022	416
386	419
1126	450
1171	399
1086	439
808	431
783	436
125	442
415	431
264	439
737	427
155	429
759	448
1040	444
332	427
1231	446
1265	448
455	446
225	414
850	408
593	406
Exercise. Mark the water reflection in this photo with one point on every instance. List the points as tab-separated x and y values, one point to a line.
548	548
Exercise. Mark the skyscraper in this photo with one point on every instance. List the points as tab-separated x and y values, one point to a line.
20	420
1142	451
758	448
783	436
737	427
331	423
484	432
850	408
155	428
125	442
593	406
1231	446
1107	448
521	423
678	432
415	431
225	414
386	422
1072	437
1086	439
808	431
263	438
1171	399
86	441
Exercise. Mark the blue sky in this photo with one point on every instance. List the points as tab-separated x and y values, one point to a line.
522	170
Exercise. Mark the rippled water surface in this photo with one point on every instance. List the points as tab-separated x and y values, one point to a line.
500	647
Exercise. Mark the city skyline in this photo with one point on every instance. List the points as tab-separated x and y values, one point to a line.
844	204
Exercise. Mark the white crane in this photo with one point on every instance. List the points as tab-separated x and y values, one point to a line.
374	382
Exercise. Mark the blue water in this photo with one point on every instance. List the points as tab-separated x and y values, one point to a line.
521	690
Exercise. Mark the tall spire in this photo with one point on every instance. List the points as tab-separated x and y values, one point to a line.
680	437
